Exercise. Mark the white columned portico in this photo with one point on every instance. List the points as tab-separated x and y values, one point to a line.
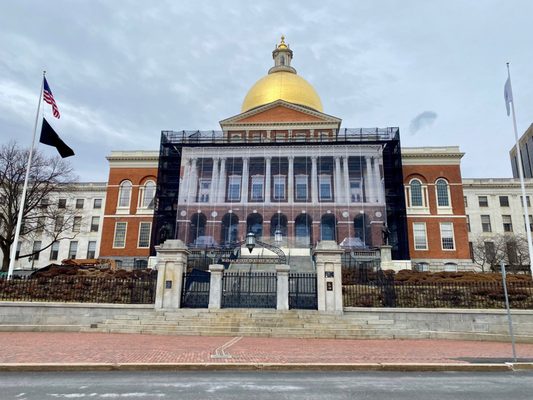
268	178
193	182
369	185
245	178
290	180
214	181
314	180
377	179
346	178
222	181
338	180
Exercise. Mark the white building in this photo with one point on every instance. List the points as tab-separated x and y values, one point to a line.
79	209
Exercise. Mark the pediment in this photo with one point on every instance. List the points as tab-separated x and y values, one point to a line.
280	111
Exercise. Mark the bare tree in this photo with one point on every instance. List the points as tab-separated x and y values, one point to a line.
492	250
47	176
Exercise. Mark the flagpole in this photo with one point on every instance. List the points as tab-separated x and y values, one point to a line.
24	188
522	184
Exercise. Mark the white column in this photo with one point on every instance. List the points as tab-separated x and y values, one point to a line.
290	180
215	286
193	182
314	180
214	182
268	178
338	179
346	178
369	186
171	263
184	187
222	181
377	179
244	180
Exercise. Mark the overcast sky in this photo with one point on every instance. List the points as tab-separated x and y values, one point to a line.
122	71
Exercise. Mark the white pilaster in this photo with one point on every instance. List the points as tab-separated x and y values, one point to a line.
380	198
369	185
222	181
268	178
214	182
193	183
290	180
346	178
314	180
338	179
245	178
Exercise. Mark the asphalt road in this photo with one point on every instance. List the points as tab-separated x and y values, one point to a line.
266	385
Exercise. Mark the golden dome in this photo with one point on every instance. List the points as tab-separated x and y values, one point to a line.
285	86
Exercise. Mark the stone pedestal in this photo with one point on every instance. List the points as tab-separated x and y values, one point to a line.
215	286
282	271
171	263
329	276
386	257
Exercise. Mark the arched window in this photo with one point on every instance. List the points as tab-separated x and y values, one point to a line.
443	194
278	223
230	228
303	230
328	227
197	231
147	195
254	224
124	194
417	199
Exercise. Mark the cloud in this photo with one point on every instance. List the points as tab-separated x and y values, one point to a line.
422	120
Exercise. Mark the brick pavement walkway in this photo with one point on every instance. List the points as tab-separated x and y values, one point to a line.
48	347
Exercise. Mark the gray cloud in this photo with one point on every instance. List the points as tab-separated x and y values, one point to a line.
422	120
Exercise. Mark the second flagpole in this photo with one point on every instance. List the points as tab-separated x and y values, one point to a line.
24	188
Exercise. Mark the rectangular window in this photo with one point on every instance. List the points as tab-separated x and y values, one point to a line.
355	191
62	203
504	201
97	203
324	182
39	227
279	187
91	249
466	201
72	250
76	224
530	223
120	234
485	223
95	223
507	223
144	234
301	187
471	249
44	203
446	235
204	189
490	252
483	201
54	251
234	188
527	201
79	203
257	187
36	248
17	253
468	223
419	233
58	224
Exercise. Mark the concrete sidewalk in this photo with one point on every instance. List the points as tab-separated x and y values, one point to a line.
101	351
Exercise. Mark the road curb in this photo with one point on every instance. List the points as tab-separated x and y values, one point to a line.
389	367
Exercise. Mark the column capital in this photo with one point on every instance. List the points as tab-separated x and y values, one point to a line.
267	157
314	157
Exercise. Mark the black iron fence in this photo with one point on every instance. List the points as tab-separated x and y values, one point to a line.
195	290
79	289
249	290
302	291
388	293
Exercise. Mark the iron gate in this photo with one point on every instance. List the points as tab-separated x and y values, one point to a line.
195	290
302	291
249	290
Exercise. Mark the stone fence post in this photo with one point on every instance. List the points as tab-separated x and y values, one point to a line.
215	286
386	257
282	271
171	264
329	275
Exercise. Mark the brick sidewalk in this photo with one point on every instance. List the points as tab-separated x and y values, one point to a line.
36	347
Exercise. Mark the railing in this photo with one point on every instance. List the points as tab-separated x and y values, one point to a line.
249	290
195	290
342	135
302	291
79	289
386	293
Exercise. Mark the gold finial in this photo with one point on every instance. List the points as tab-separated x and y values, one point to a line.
282	44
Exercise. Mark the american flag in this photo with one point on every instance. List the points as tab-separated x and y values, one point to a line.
49	98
